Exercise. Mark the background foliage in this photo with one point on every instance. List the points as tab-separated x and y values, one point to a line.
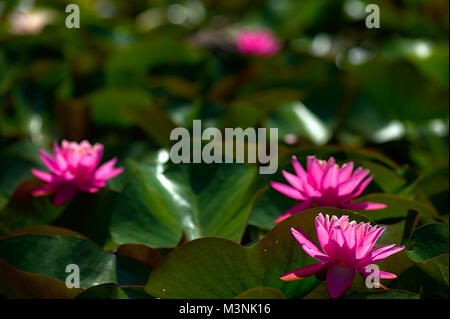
137	69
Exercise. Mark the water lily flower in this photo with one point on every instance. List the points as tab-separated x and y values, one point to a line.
347	248
74	167
257	42
323	184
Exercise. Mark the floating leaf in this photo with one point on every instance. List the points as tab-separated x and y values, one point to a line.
385	294
113	291
55	248
428	242
158	203
261	293
397	207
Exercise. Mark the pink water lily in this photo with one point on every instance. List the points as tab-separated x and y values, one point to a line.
324	183
257	42
74	167
347	248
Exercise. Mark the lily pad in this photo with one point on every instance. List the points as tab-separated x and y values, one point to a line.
159	203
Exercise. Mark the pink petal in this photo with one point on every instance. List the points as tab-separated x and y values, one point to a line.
293	180
107	170
337	236
298	168
315	171
86	165
339	279
65	145
89	189
382	274
59	157
85	145
330	177
362	251
329	184
308	246
98	183
335	248
72	158
309	191
331	161
44	189
322	234
350	235
64	194
359	190
98	150
345	172
350	185
381	249
372	258
49	161
302	272
43	176
287	190
387	275
293	210
364	206
373	235
115	172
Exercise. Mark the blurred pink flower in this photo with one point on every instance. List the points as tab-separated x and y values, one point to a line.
73	168
257	42
347	247
324	184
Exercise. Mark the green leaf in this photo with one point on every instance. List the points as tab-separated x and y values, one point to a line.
397	207
399	92
385	294
24	210
261	293
134	264
55	248
296	118
218	268
271	205
393	234
417	280
89	214
155	122
112	106
55	253
113	291
103	291
18	158
44	230
437	268
15	283
141	253
159	203
128	66
388	180
429	248
429	58
428	242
